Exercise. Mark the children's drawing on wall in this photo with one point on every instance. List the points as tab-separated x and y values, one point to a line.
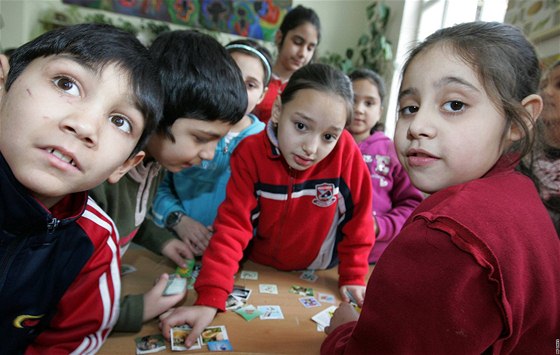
257	19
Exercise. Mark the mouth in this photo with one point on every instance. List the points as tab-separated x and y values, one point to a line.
303	161
65	157
419	157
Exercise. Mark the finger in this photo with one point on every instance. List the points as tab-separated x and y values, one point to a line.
161	282
178	259
195	333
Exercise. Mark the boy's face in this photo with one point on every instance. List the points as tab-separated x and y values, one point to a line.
195	140
66	128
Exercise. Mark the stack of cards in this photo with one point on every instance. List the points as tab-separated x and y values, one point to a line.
175	285
238	297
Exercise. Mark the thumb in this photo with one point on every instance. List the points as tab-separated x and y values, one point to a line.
160	284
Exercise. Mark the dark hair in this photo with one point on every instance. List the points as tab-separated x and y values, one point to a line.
296	17
200	79
324	78
266	59
505	61
376	79
96	46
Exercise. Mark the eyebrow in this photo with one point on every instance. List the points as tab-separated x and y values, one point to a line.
208	133
309	119
448	80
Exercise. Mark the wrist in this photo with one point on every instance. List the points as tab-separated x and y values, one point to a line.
173	219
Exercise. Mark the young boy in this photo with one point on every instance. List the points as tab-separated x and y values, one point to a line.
202	99
76	106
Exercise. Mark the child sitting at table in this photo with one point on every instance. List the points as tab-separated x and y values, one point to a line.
195	194
202	100
394	197
76	106
303	185
476	267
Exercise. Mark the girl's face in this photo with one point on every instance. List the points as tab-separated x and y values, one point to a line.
298	47
253	75
550	92
448	131
367	108
309	126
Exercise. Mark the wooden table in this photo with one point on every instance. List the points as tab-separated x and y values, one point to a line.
295	334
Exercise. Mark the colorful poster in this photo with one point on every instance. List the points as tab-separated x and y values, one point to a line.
257	19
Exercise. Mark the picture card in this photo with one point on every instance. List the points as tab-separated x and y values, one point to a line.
233	303
127	269
150	344
270	312
241	293
309	275
309	302
249	275
327	298
178	335
323	318
268	288
214	333
187	271
300	290
248	312
175	285
220	345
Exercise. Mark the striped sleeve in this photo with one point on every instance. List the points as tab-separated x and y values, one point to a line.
89	308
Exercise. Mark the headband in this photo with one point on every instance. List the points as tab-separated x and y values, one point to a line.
258	54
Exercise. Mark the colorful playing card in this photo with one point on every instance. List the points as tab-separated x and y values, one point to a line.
270	312
268	288
186	272
249	275
220	345
241	293
215	333
300	290
175	285
233	303
248	312
178	336
323	318
150	344
309	302
325	297
309	275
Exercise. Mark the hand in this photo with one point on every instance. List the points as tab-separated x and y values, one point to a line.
155	303
344	313
194	234
198	317
177	251
357	292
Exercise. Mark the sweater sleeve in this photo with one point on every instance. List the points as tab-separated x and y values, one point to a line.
165	201
426	296
233	231
89	308
358	232
152	237
131	314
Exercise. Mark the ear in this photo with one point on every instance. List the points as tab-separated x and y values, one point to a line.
276	110
125	168
278	37
4	69
262	95
533	104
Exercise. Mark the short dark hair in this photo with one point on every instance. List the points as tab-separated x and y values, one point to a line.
324	78
505	61
200	79
298	16
98	45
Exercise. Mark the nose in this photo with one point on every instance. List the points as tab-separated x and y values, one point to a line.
84	125
207	153
310	145
421	125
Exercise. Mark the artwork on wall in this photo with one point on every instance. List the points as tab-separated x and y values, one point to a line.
539	19
257	19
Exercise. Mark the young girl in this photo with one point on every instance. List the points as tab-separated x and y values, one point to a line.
303	184
190	198
476	268
394	197
297	38
543	165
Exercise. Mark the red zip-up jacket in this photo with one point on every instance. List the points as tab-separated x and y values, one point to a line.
308	219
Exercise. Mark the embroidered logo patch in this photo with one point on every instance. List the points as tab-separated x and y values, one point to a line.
27	321
324	195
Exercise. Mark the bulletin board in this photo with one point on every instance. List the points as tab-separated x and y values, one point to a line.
248	18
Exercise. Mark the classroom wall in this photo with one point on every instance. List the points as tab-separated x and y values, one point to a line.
343	21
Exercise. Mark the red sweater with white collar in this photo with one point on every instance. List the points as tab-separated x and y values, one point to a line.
303	219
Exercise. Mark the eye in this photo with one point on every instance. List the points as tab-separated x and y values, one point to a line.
200	139
300	126
408	110
329	137
68	85
121	123
454	106
369	103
